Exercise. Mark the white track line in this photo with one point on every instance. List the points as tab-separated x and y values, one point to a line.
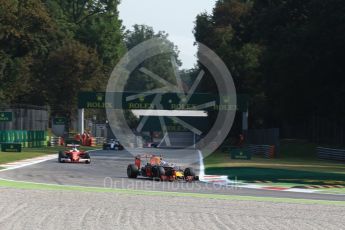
215	179
201	166
27	162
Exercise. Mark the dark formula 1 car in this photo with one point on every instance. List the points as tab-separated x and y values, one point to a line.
112	144
153	166
74	155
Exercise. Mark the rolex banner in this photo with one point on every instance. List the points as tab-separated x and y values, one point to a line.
11	147
6	116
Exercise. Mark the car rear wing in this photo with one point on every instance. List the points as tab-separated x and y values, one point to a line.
148	155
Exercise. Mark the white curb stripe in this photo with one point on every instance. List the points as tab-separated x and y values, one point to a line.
20	164
32	161
301	190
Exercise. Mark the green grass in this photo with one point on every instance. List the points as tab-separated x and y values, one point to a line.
280	175
37	186
333	191
27	153
296	163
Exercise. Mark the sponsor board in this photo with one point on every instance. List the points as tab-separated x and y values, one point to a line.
240	154
11	147
6	116
59	121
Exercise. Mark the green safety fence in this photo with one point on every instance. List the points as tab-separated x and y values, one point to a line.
27	139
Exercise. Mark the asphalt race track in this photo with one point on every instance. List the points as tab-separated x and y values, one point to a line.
108	169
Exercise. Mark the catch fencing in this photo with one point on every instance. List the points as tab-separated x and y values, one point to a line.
263	137
327	129
26	117
178	140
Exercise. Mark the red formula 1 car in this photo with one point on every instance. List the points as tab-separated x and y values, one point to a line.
153	166
73	155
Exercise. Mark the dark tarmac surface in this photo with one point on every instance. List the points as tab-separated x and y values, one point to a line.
108	169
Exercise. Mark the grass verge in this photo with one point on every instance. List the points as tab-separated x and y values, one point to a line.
340	191
297	163
27	153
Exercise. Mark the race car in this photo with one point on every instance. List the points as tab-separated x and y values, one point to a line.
112	144
153	166
74	155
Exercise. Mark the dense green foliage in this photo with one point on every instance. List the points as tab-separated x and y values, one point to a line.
286	54
163	65
50	50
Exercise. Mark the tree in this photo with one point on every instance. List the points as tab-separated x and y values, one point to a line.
162	65
303	48
226	32
27	33
287	55
70	69
93	23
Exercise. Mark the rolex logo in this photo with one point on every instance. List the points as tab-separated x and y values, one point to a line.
226	99
141	98
99	97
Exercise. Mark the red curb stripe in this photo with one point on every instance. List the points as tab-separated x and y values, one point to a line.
276	188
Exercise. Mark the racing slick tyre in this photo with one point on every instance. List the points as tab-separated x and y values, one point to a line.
169	172
158	172
61	156
132	171
189	172
161	171
87	156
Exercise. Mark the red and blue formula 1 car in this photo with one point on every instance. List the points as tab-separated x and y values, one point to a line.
73	155
154	167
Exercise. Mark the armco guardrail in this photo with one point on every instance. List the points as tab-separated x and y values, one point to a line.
331	154
268	151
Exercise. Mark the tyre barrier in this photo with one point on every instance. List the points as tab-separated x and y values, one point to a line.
93	142
331	154
268	151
